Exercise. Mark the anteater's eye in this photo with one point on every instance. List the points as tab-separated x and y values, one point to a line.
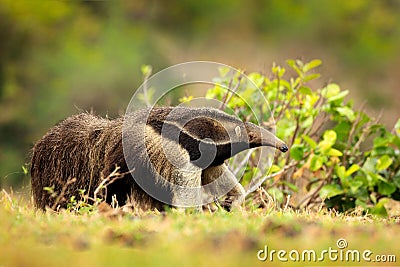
238	131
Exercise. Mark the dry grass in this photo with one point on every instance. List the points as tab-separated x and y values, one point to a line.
109	237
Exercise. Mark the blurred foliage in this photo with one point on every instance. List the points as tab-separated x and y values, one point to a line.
60	57
338	156
362	31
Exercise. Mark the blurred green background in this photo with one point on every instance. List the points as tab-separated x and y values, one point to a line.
58	58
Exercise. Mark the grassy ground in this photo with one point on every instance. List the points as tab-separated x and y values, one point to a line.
178	238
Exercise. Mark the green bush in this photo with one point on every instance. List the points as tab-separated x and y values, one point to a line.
339	156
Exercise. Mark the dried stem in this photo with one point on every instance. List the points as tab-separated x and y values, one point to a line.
277	95
309	197
318	128
62	193
7	196
352	131
364	132
243	162
259	181
145	89
112	177
229	94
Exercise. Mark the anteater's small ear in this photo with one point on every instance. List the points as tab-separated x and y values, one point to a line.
238	131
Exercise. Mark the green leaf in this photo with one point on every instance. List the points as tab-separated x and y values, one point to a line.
274	168
374	178
316	163
334	153
383	141
361	203
185	99
386	188
146	70
397	127
305	91
297	152
338	96
24	169
309	141
311	77
278	70
293	64
48	189
396	141
281	72
329	140
295	82
330	136
330	90
382	150
379	209
291	186
257	78
330	190
373	198
299	63
354	185
286	84
341	172
353	168
396	179
359	192
347	112
307	122
311	65
342	130
223	71
383	163
276	194
369	165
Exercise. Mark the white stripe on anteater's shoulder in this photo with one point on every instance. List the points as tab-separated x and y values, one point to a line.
186	147
171	165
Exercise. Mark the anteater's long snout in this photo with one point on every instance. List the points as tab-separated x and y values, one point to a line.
283	148
261	137
269	139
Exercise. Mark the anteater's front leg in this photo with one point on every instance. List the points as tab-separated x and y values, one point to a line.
218	181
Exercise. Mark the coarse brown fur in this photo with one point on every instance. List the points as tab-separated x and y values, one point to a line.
88	148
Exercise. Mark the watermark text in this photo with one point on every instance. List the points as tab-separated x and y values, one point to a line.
339	253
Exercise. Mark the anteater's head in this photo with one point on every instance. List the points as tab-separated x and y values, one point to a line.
209	135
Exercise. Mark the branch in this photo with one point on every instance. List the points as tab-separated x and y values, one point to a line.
61	195
259	181
226	98
309	197
277	95
145	95
353	128
364	132
243	162
112	177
